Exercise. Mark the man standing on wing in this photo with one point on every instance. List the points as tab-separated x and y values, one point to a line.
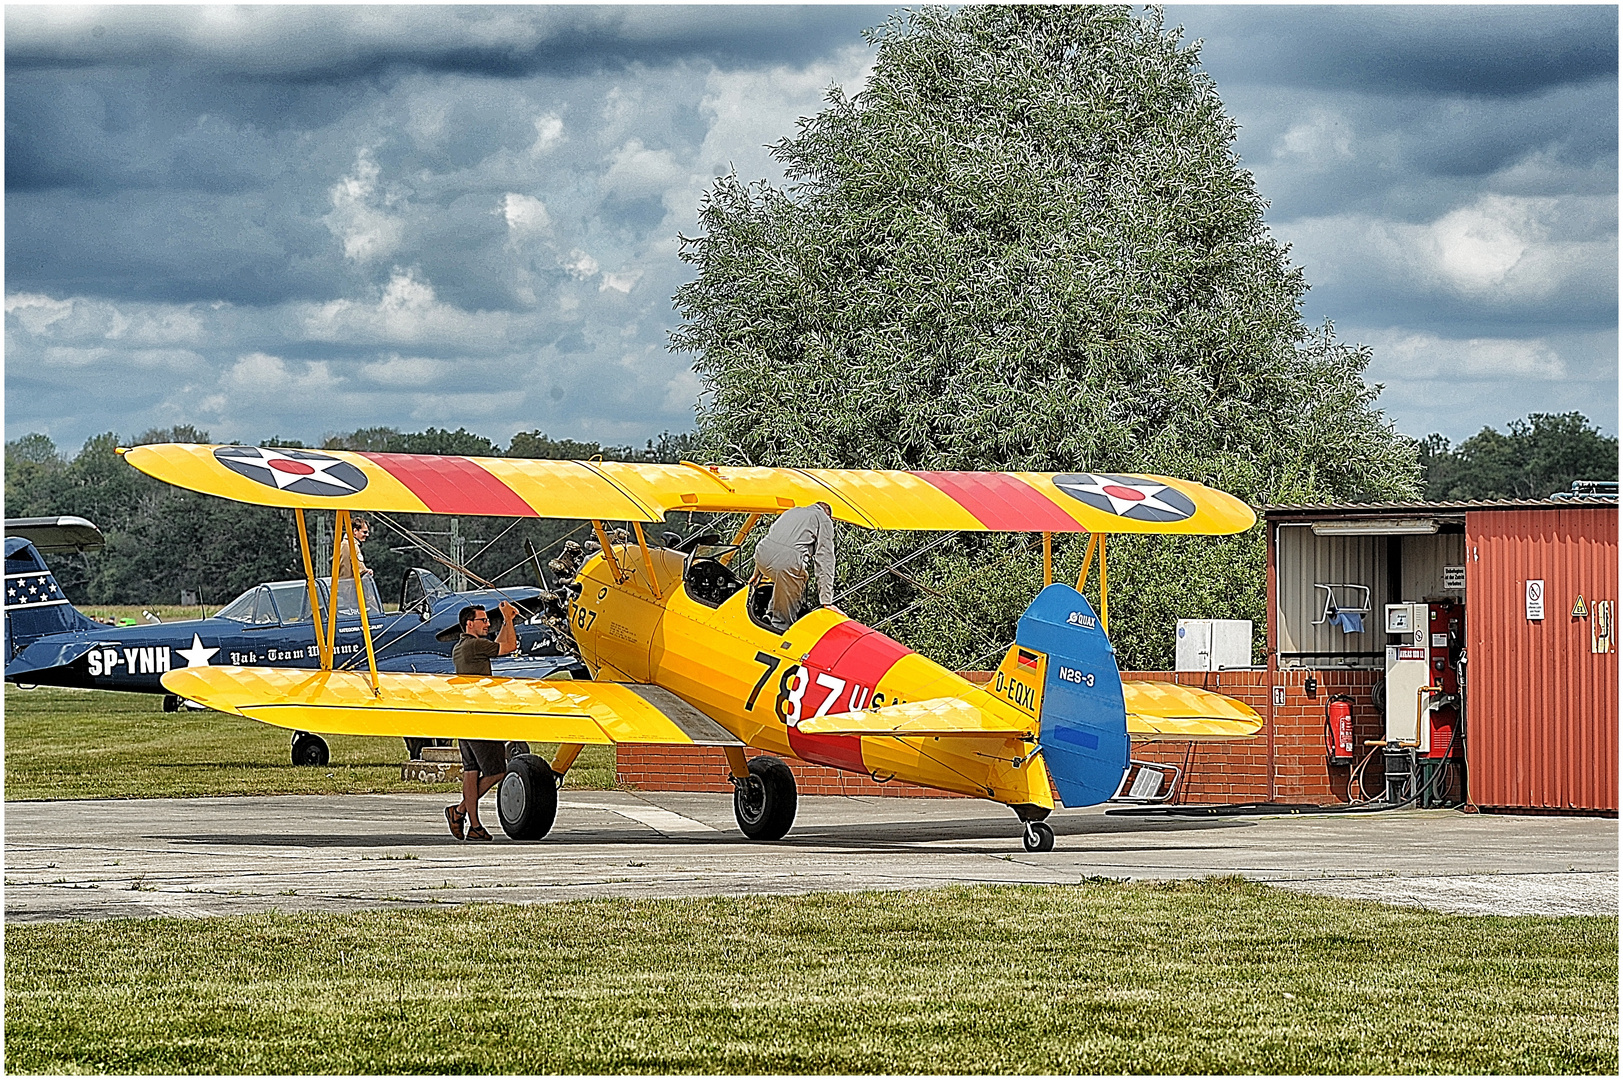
799	538
484	761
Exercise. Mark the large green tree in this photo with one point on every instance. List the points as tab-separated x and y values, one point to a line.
1028	244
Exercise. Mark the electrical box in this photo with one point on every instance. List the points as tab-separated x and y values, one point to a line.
1213	644
1422	675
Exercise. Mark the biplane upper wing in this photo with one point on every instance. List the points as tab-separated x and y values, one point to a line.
450	706
1169	712
635	491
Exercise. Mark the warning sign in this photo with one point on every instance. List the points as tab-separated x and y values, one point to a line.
1453	579
1580	610
1535	600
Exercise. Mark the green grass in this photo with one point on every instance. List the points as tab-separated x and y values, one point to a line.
92	744
1216	977
132	614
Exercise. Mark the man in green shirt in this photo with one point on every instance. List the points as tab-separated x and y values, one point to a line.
484	761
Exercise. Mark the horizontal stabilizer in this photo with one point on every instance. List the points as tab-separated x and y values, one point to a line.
449	706
1170	712
946	716
45	656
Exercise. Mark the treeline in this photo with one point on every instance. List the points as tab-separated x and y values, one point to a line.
162	540
1536	458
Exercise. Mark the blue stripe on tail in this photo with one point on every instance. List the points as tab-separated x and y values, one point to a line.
1084	720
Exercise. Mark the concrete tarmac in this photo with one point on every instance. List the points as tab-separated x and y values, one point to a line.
100	859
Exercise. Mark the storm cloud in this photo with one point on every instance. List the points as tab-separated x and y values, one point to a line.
307	220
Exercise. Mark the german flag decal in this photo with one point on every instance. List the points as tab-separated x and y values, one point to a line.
1026	659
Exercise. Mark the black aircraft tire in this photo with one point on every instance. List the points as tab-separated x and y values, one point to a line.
765	803
1039	836
309	749
414	747
527	798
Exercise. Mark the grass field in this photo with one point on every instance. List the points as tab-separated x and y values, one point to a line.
84	744
1216	977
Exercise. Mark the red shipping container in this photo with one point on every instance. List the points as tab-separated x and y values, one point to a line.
1541	710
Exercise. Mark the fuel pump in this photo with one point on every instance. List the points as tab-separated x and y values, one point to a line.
1424	720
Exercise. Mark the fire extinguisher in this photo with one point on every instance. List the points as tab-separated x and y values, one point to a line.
1338	730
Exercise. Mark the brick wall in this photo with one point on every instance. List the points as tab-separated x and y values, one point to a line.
1238	771
1213	772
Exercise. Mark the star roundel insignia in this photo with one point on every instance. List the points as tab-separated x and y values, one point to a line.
304	472
1134	497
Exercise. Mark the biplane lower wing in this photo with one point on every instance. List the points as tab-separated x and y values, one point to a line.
937	717
1169	712
450	706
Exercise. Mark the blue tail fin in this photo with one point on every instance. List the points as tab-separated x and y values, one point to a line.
35	605
1083	718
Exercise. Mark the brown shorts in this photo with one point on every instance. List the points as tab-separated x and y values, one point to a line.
487	757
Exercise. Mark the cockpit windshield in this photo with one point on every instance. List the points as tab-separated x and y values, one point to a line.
288	602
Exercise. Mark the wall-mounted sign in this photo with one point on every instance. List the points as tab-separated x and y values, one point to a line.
1580	610
1535	600
1454	579
1601	637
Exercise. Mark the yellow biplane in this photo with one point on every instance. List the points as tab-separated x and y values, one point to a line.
681	652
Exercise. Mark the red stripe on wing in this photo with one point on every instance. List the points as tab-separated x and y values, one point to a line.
453	485
1002	503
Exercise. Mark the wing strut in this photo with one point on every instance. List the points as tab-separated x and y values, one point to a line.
647	559
738	538
348	534
315	597
1096	542
608	551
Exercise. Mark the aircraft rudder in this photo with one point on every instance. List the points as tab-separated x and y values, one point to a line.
1082	713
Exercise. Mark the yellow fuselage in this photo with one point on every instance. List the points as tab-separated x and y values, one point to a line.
633	626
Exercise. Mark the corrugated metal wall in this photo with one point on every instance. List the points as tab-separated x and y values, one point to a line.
1424	558
1306	560
1541	726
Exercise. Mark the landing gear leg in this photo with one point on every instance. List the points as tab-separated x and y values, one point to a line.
1039	836
309	749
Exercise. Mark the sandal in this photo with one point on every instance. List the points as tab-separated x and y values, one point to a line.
478	833
455	818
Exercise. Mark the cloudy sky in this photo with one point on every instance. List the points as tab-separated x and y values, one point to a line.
300	221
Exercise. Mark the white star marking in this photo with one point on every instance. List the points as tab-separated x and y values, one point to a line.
1118	504
318	469
197	655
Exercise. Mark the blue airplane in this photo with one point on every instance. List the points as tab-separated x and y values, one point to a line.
50	643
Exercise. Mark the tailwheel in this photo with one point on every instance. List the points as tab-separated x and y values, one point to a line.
1039	836
764	801
309	749
527	800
